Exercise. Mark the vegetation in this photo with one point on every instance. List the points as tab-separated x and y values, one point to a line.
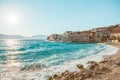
113	38
118	38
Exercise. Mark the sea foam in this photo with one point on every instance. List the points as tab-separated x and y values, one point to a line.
55	56
71	65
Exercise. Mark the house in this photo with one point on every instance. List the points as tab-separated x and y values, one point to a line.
115	33
85	36
114	36
112	41
103	34
67	36
55	37
99	29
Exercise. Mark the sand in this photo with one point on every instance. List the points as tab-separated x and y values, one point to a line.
115	70
107	69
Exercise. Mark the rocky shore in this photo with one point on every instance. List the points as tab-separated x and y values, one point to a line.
107	69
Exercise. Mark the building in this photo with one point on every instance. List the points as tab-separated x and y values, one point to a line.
55	37
115	33
103	34
67	36
85	36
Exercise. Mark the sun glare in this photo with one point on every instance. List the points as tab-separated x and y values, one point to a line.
11	18
11	43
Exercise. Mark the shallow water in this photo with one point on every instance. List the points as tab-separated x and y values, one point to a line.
58	56
44	52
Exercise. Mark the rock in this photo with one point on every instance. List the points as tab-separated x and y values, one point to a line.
80	78
63	78
109	59
92	65
80	66
92	62
88	74
65	73
118	64
105	69
103	62
50	78
74	73
55	75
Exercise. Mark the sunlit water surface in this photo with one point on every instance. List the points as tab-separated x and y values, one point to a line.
14	52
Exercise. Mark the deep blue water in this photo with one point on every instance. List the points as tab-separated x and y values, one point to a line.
45	52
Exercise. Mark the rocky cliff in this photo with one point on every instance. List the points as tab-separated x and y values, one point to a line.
101	34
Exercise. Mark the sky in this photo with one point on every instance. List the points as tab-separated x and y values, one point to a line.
32	17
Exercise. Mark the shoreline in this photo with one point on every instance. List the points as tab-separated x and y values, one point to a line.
36	74
109	69
71	66
117	55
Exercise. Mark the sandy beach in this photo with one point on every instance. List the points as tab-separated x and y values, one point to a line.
107	69
114	66
59	39
117	55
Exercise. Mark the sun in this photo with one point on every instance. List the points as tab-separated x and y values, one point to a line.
11	18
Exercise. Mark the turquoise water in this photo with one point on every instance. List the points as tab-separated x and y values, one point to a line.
54	57
45	52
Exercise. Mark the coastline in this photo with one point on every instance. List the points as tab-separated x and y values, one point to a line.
106	69
117	55
37	74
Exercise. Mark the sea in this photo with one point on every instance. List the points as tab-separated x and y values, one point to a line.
54	57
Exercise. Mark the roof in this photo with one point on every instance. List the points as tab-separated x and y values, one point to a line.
115	31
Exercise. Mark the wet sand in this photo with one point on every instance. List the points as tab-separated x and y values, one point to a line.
117	55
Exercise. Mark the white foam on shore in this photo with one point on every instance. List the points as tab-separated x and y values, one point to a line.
71	66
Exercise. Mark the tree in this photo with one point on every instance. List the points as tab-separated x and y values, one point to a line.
112	37
118	38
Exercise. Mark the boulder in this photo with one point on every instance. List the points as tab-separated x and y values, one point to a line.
103	62
92	65
80	66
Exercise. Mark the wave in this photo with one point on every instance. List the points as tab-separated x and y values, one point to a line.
71	65
56	56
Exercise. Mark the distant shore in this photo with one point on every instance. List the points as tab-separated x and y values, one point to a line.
107	69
